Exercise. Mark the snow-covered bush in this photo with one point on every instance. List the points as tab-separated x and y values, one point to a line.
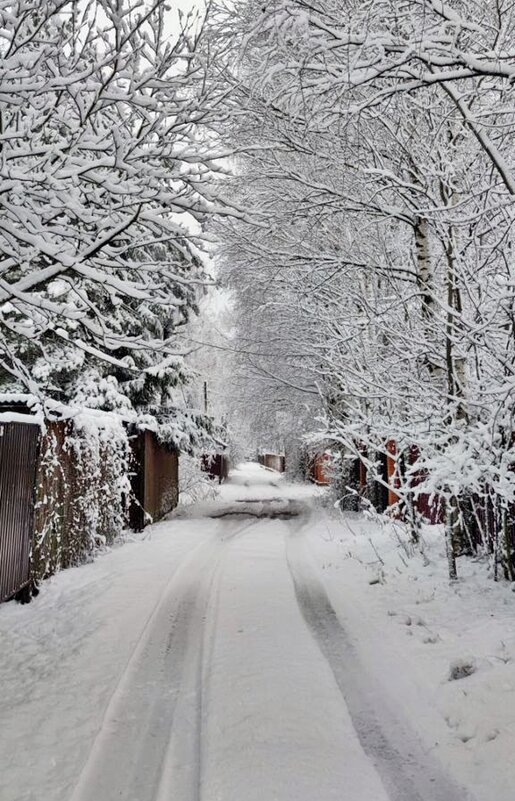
82	490
194	483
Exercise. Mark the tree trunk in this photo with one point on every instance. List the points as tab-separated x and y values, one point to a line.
451	521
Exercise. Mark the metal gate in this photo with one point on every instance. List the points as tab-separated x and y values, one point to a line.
154	480
18	456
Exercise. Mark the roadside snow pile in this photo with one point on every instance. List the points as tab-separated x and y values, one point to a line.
254	507
442	653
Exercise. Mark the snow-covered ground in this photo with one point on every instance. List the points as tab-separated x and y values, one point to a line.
418	635
258	647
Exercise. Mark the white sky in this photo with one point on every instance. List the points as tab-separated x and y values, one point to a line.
184	6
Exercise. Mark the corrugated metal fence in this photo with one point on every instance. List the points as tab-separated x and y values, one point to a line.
60	495
216	465
18	458
274	461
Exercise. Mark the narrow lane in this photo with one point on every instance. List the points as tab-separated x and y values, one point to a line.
149	744
242	683
275	725
227	695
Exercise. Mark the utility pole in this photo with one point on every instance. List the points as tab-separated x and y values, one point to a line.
205	397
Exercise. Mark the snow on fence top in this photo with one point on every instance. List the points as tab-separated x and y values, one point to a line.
25	408
174	430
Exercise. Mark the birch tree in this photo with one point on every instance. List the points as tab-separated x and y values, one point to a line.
377	168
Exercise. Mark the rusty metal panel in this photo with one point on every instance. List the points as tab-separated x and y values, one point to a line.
216	465
18	458
137	479
392	472
274	461
161	477
154	479
322	469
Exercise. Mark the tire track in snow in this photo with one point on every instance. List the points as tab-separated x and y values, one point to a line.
182	770
149	745
407	771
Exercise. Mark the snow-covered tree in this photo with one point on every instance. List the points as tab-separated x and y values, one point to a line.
105	160
376	167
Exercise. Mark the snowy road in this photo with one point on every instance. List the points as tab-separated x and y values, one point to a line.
239	681
226	694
